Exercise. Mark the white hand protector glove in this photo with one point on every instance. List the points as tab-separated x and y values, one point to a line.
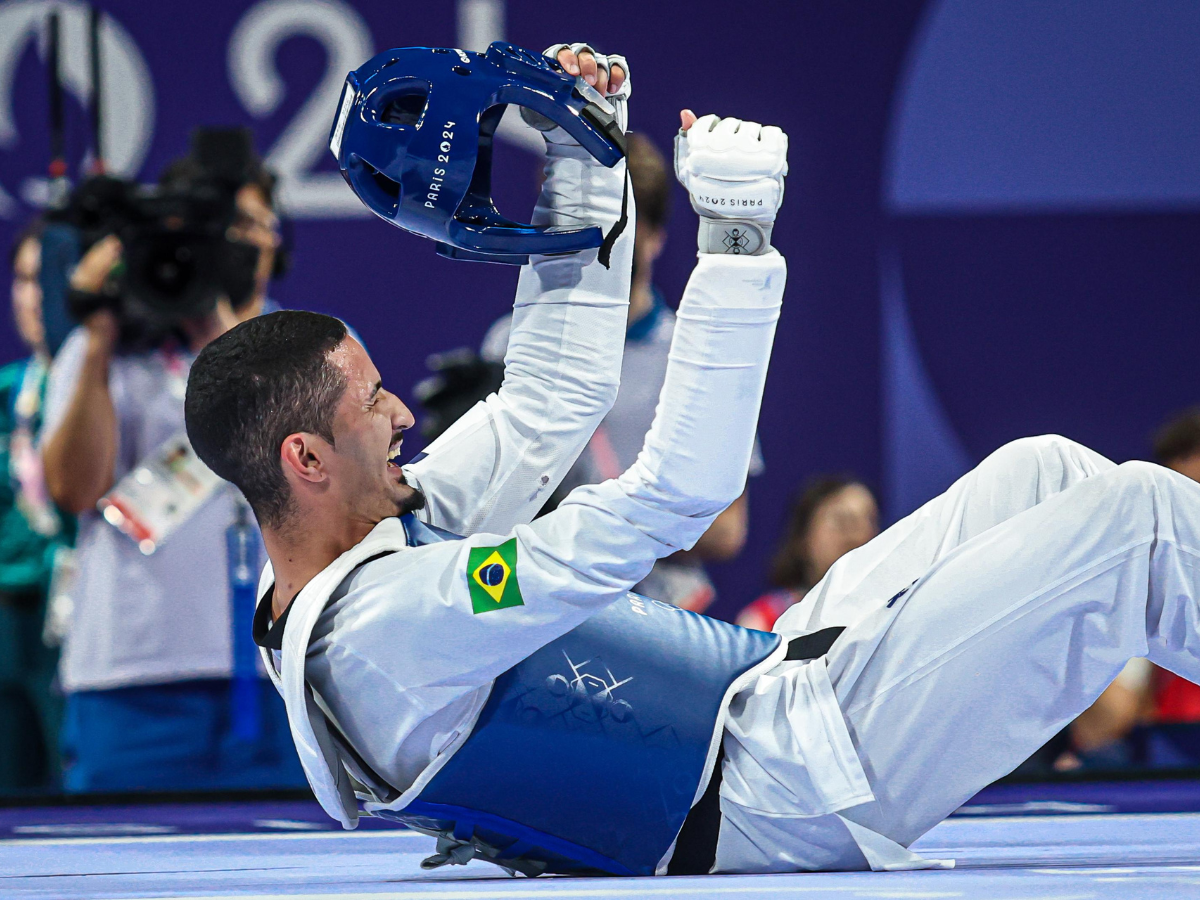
618	100
733	171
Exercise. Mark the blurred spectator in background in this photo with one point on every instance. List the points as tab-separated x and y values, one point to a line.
148	662
833	515
679	579
31	532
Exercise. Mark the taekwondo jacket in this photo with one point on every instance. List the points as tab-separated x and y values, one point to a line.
488	475
397	650
598	544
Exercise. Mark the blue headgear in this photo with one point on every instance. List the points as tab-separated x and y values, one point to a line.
413	138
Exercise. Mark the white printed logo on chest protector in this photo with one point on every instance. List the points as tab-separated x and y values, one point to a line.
596	691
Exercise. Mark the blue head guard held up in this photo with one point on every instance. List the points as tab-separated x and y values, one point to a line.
413	138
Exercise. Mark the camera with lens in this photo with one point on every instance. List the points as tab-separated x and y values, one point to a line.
179	257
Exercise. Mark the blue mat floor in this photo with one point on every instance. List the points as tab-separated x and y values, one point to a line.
1067	857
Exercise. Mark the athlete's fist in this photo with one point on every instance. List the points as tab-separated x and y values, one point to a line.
733	171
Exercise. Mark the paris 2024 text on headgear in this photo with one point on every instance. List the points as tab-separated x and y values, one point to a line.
413	138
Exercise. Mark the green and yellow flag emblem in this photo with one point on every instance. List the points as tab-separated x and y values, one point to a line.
492	577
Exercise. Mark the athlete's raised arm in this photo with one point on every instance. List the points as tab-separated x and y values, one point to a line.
497	465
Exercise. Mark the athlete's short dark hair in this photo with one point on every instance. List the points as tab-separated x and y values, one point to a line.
253	386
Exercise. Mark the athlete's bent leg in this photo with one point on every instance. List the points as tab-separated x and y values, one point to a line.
1011	634
1014	478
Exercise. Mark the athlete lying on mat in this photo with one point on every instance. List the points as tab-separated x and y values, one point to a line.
505	691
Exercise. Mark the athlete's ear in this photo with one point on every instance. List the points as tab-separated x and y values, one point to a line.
303	457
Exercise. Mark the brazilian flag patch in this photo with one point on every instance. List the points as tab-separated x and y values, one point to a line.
492	577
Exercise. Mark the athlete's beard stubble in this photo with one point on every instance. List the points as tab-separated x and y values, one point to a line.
413	502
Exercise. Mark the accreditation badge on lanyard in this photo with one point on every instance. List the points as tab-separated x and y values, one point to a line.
164	489
160	494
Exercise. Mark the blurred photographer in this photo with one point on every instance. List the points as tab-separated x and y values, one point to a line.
157	694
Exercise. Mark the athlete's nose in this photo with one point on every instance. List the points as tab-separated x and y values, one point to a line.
402	417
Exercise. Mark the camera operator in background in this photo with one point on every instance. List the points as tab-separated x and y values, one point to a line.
31	533
148	664
614	446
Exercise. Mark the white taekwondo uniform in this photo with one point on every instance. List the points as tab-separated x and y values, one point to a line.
976	627
391	647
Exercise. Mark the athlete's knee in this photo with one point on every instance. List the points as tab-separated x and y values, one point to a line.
1042	445
1032	453
1140	477
1049	461
1137	488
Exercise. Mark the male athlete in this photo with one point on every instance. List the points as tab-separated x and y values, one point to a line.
449	682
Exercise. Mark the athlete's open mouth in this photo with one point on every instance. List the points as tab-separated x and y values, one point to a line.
393	457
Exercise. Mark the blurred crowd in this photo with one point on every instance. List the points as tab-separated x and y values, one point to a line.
125	654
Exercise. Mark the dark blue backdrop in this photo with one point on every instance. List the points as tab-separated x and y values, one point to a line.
989	221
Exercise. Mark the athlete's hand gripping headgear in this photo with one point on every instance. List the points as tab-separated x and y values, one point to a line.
573	54
733	171
413	138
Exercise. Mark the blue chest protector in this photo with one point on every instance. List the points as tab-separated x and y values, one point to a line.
589	754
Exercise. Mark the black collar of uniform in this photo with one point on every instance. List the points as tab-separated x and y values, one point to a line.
267	633
270	634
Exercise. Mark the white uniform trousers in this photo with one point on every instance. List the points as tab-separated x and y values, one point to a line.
984	622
